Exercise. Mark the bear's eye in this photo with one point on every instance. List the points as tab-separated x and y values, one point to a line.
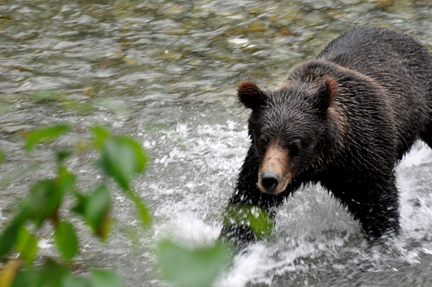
263	140
294	148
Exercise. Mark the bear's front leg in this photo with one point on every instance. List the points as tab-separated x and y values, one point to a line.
250	213
374	202
381	217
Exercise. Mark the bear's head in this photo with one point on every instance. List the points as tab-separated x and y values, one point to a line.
288	128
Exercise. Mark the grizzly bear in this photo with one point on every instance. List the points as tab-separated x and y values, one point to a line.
344	120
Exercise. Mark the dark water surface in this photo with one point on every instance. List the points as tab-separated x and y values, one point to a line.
166	73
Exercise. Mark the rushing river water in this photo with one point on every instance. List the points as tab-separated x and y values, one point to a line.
166	73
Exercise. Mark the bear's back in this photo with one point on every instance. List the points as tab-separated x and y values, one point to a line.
377	51
388	57
399	64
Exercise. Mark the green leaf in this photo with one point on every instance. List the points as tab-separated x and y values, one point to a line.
121	158
64	182
103	278
27	245
45	198
48	275
9	272
47	134
143	212
8	239
66	239
62	155
191	267
75	281
1	157
28	278
100	135
53	274
95	209
258	219
40	204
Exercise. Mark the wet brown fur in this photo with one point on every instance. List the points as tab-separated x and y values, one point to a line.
344	120
249	94
276	159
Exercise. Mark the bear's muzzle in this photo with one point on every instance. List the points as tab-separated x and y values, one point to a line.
274	173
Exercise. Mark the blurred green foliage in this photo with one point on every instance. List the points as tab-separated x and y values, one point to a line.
120	158
191	267
45	134
66	239
259	220
94	208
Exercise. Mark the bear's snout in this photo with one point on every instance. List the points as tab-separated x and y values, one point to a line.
274	172
269	181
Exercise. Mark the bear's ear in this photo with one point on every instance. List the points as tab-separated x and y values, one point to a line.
326	94
250	95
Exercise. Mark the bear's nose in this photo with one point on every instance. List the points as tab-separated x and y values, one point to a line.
269	181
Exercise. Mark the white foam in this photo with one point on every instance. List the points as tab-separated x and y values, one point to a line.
189	229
